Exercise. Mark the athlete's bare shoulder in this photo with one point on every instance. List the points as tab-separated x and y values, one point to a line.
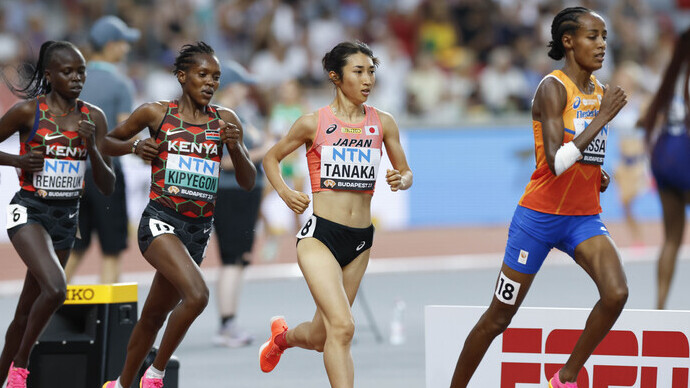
549	99
21	115
94	110
308	120
386	118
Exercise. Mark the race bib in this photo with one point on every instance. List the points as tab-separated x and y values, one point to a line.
191	177
16	215
507	290
159	227
349	168
60	179
596	150
308	228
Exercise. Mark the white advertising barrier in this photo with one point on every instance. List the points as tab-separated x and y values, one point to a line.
645	348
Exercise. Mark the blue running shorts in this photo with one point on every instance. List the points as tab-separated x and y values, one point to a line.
533	234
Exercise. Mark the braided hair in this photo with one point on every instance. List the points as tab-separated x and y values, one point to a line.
185	58
566	22
36	83
336	59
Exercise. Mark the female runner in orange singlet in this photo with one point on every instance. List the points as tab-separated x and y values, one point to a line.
560	208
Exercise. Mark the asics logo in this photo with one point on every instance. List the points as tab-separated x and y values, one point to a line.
361	245
52	136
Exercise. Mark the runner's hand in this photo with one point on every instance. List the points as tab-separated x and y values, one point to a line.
612	102
31	161
605	180
394	179
296	201
87	131
147	149
229	134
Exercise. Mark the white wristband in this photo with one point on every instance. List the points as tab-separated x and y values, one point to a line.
566	156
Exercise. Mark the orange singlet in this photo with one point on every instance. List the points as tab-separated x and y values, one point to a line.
345	156
576	191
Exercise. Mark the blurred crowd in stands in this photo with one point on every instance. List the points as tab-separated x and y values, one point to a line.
444	62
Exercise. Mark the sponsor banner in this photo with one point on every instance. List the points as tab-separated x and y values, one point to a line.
101	293
347	184
349	168
645	348
60	179
191	177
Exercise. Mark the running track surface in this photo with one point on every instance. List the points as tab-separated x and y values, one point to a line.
423	267
387	244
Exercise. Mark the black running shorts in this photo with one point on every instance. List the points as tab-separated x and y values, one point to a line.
58	217
193	232
344	242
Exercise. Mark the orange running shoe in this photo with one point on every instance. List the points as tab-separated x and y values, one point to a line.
269	353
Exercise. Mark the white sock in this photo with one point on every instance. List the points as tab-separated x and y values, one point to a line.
117	383
153	373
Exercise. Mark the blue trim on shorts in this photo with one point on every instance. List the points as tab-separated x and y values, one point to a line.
533	234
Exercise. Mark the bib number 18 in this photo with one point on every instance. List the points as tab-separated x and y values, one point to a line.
507	290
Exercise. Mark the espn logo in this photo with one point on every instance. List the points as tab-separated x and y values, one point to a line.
671	347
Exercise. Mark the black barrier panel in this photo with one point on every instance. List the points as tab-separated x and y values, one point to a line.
83	346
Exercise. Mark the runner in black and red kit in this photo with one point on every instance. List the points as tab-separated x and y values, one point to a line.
57	132
184	149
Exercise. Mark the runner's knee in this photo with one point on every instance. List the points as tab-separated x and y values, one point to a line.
55	292
197	300
341	330
615	297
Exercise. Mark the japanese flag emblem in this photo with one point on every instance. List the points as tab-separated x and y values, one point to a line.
371	130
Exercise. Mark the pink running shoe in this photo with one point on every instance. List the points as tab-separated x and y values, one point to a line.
555	382
17	377
150	383
270	353
110	384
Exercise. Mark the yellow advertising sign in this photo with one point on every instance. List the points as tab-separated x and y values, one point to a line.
101	293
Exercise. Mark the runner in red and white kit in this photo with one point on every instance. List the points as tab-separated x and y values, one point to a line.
185	148
344	147
57	132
